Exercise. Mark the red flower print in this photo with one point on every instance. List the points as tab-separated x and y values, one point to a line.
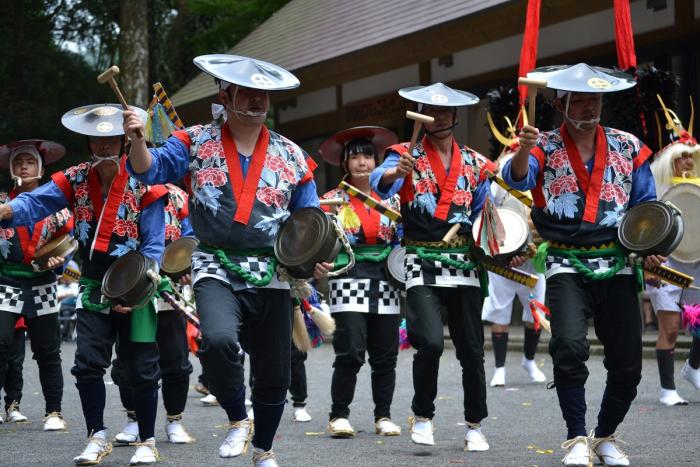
81	191
619	163
128	228
7	234
212	176
82	213
558	159
426	186
352	230
385	232
610	192
129	200
462	198
209	149
172	233
422	164
563	185
468	171
271	197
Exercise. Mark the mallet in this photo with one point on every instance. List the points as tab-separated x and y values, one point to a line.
107	76
532	86
418	121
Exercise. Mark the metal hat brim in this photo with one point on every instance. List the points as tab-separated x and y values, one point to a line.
247	72
50	151
583	78
448	97
92	120
331	150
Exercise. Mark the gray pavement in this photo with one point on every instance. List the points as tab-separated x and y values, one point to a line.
524	426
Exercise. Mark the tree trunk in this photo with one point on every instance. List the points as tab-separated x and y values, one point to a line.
133	51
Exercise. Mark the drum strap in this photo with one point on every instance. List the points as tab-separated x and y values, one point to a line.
222	256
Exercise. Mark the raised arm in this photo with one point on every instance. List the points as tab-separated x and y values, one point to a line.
386	180
31	207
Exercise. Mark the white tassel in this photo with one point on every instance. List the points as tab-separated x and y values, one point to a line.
324	321
300	335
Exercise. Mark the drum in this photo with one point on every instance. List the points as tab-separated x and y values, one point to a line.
396	267
177	257
62	246
686	197
651	228
307	237
516	239
128	281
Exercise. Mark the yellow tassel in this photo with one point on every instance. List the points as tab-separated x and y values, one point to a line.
324	321
348	218
300	335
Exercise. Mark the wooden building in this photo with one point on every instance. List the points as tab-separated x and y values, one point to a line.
352	56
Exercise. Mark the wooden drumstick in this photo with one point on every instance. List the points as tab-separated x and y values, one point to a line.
331	202
107	76
532	86
418	121
451	233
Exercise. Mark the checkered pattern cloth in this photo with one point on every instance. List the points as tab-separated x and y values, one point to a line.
435	273
29	301
559	265
363	296
206	265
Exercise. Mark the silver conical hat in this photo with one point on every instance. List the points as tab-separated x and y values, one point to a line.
583	78
438	94
248	72
98	119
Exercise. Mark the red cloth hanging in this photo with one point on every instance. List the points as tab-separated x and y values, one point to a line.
624	36
528	53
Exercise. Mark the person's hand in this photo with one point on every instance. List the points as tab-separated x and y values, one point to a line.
55	261
653	261
322	269
185	280
528	137
6	212
517	260
132	124
122	309
405	165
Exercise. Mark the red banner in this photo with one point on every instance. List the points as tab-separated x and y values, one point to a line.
528	53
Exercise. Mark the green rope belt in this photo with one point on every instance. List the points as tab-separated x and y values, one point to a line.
438	254
363	254
19	270
574	254
90	285
222	255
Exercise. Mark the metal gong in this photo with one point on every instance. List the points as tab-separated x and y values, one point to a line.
686	197
651	228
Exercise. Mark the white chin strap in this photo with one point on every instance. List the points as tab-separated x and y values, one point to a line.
578	124
96	160
28	149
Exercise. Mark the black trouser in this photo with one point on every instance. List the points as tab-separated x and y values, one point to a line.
297	385
614	306
97	333
175	366
259	321
356	333
425	332
45	335
14	381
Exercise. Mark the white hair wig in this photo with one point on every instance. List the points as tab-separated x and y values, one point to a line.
662	167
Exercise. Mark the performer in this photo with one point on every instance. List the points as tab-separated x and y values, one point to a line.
14	382
112	218
498	306
245	180
171	338
583	178
26	292
441	184
363	303
675	164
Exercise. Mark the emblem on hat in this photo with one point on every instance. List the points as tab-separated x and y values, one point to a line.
261	80
599	83
104	127
439	98
104	111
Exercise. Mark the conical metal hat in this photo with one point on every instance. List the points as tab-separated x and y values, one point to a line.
248	72
98	119
438	94
583	78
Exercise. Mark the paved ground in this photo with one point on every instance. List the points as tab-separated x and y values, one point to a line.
524	426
